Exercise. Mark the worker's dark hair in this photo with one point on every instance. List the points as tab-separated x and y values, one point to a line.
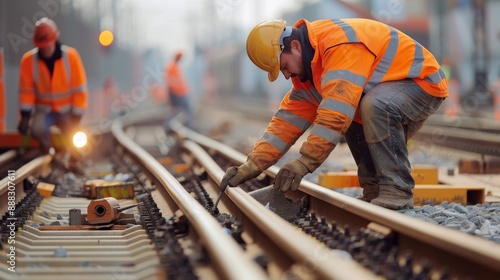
287	41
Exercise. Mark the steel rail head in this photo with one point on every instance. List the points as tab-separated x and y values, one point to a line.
23	172
450	241
300	246
7	156
461	139
463	122
210	231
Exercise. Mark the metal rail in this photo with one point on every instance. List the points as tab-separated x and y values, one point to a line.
461	139
463	122
295	244
15	181
463	254
7	156
211	233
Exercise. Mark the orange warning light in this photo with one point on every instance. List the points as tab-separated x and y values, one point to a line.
106	38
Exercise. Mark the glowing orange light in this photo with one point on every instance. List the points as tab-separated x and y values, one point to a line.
106	38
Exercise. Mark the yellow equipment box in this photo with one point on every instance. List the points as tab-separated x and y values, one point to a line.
425	174
338	179
45	189
467	195
422	174
427	187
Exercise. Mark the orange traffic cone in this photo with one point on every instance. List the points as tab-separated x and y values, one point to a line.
453	100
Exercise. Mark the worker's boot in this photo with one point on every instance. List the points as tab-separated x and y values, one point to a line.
392	197
370	192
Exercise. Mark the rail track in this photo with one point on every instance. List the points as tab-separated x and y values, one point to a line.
465	134
178	234
458	254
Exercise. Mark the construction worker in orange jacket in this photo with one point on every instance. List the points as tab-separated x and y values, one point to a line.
52	85
356	78
178	90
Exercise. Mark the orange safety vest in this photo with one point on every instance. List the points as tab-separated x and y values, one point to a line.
176	83
3	101
351	57
67	89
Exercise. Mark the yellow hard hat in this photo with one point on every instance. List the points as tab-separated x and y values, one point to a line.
265	44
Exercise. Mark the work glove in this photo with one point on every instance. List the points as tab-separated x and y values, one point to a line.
237	175
24	124
290	175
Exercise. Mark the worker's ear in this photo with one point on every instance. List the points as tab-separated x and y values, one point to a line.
296	45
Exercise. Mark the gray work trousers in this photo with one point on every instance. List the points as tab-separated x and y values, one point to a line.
391	113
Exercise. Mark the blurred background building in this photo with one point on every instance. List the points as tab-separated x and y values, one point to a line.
463	34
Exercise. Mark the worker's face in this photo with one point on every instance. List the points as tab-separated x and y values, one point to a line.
291	64
48	51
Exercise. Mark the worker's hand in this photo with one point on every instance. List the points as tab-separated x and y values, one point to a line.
23	125
230	172
290	175
237	175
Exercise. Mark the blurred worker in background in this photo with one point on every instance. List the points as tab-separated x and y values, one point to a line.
178	89
52	86
345	70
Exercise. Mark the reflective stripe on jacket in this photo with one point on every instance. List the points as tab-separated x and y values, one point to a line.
351	56
176	82
67	89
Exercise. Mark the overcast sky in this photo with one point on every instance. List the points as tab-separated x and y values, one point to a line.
168	23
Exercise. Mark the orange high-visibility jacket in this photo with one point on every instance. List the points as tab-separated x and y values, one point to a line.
3	101
176	83
351	56
67	89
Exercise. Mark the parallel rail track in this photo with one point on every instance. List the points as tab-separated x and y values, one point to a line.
471	136
462	255
330	217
